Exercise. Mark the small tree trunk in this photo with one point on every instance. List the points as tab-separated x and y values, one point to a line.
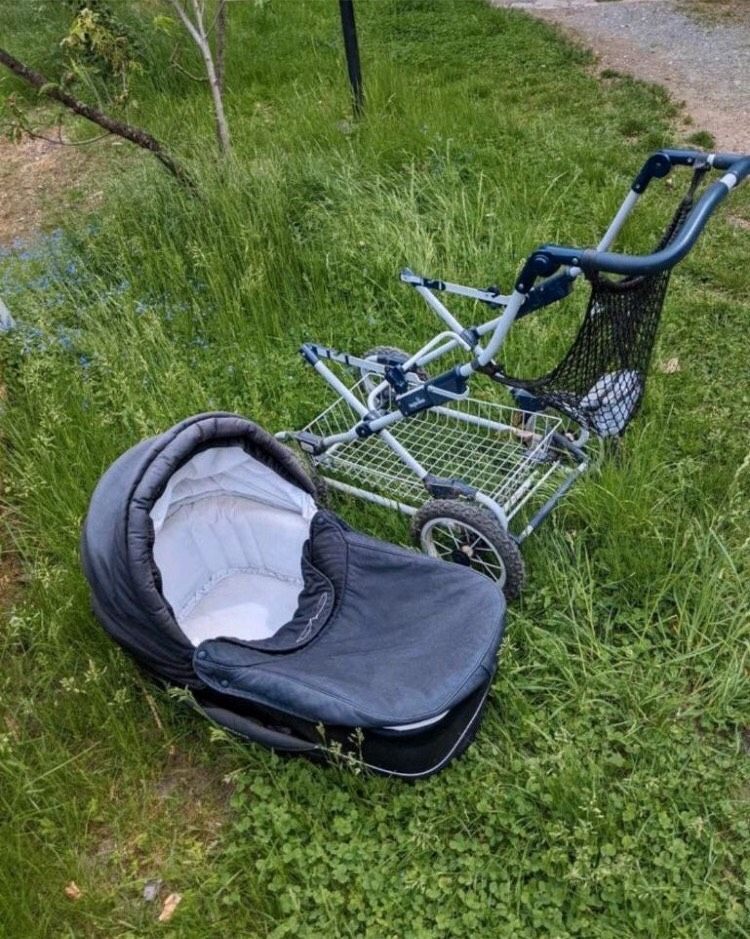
197	31
140	138
222	127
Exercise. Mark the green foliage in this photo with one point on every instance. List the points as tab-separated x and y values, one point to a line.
702	139
606	794
98	43
82	46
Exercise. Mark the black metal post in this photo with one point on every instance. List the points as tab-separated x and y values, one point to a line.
351	47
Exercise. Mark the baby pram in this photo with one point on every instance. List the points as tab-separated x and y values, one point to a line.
212	563
477	476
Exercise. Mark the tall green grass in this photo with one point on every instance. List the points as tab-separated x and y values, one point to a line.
606	793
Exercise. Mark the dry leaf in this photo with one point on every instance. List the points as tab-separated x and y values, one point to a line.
170	905
670	366
73	891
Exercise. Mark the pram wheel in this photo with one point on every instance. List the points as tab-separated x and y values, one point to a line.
470	535
384	355
307	465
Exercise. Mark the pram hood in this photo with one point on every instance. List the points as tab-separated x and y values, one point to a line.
119	534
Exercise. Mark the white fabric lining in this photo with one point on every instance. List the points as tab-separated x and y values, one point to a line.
218	576
229	471
228	538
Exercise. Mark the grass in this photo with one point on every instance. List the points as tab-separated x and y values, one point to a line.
719	12
606	794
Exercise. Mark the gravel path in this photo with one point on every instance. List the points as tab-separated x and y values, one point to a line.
703	61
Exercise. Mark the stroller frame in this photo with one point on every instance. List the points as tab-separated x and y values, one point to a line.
414	435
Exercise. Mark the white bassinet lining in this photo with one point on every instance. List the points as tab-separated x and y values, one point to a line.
229	533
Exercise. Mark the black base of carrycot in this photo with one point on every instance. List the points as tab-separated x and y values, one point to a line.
408	756
211	564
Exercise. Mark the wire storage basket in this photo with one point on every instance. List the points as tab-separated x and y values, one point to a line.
498	449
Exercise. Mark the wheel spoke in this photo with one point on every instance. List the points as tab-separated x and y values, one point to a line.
469	535
483	563
497	565
446	538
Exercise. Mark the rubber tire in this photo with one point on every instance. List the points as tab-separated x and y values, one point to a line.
386	352
390	352
322	489
489	527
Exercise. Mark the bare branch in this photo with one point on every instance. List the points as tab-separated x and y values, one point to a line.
134	134
212	27
187	22
60	142
200	8
181	68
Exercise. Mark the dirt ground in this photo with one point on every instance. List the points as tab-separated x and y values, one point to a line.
698	49
36	176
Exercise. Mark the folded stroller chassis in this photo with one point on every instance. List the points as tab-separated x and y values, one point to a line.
479	477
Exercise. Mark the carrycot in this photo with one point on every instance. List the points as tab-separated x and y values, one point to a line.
211	563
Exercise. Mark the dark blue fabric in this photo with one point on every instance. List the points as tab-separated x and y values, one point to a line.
117	538
382	636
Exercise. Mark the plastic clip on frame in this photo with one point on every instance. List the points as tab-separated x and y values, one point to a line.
414	436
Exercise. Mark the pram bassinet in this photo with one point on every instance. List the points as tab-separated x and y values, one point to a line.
211	563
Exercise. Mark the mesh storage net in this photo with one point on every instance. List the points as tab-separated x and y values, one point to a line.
601	380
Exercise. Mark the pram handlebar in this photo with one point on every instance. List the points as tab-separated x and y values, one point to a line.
548	259
661	163
719	161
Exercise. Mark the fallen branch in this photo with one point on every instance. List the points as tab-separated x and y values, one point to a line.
140	138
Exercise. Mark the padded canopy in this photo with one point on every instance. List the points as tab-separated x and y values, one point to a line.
170	527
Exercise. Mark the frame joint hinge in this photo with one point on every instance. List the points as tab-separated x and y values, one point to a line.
396	378
364	430
441	390
309	442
